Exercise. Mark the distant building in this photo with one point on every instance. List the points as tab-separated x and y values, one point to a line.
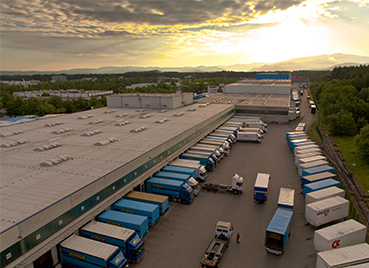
58	78
278	76
133	86
23	83
65	94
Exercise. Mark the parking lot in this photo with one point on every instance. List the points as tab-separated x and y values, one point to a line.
182	235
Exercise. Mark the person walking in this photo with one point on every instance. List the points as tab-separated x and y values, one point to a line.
238	238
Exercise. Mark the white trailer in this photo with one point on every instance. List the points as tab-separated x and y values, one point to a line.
326	211
200	169
307	150
340	235
311	159
255	124
286	198
252	129
324	194
249	136
306	147
343	257
313	164
307	155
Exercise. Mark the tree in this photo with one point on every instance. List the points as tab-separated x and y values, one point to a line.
15	106
362	143
342	123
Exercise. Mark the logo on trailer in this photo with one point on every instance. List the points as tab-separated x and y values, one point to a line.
114	223
98	238
127	210
158	186
324	212
77	255
336	243
118	260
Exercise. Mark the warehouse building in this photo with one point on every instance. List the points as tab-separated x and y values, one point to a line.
59	172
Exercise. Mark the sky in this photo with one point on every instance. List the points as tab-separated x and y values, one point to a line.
56	35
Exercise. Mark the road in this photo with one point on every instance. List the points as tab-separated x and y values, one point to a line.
182	235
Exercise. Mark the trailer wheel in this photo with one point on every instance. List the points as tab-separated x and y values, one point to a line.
235	191
210	187
214	190
184	202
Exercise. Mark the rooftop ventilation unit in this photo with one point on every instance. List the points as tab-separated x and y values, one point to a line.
145	116
96	122
138	129
179	114
105	142
162	111
109	111
122	123
13	143
204	105
161	121
53	124
141	110
47	146
85	116
60	131
91	133
55	161
191	110
17	132
121	115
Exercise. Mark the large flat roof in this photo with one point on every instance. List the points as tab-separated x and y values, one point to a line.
28	187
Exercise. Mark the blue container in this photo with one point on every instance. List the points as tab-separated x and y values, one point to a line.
131	221
261	187
82	252
278	231
181	170
160	200
176	190
319	185
151	211
311	171
206	161
127	240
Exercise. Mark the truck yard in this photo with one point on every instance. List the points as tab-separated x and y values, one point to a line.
182	234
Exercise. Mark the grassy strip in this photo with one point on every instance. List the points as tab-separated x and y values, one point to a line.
348	149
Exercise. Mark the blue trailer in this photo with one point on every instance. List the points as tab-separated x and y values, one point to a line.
288	134
81	252
234	130
278	231
131	221
261	187
226	133
303	144
212	138
206	161
181	170
127	240
156	199
151	211
316	170
317	177
176	190
319	185
180	177
223	136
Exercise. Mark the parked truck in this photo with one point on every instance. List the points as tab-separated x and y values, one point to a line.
150	211
206	161
226	133
316	170
249	136
200	169
343	257
324	194
206	147
229	138
312	164
236	186
138	223
127	240
257	124
177	191
156	199
261	187
230	144
233	130
223	144
252	130
299	156
77	251
215	250
340	235
217	154
278	231
326	211
286	198
187	178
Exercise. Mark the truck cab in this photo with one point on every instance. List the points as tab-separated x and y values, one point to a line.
223	230
237	184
